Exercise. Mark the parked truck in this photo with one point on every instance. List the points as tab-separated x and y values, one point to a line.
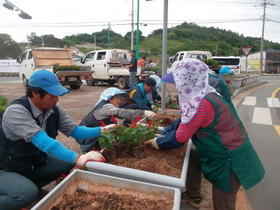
201	55
110	66
57	60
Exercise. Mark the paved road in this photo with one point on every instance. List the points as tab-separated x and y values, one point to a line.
259	113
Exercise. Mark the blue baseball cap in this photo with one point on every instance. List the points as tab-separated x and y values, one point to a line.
168	78
47	81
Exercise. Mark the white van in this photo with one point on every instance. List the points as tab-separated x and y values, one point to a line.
201	55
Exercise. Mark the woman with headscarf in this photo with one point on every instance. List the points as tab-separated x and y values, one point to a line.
105	111
223	151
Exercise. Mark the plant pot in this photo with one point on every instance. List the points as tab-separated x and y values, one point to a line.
144	176
98	183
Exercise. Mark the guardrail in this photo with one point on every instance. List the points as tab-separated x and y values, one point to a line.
239	81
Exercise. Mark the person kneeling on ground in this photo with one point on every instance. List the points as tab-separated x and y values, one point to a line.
137	96
106	111
154	96
220	139
30	157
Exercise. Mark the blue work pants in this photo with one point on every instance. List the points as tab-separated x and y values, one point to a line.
18	191
132	79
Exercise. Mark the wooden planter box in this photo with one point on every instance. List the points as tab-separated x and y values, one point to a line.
92	182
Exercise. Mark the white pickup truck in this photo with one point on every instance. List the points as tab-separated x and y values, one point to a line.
109	66
201	55
56	60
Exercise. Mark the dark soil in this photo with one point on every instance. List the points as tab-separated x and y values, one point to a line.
145	158
82	200
165	119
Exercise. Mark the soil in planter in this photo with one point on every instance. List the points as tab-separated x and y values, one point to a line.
82	200
165	119
166	162
145	158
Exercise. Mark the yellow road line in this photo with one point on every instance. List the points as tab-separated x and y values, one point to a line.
274	93
277	128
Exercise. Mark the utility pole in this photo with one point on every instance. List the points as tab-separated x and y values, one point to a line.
43	45
265	2
137	31
132	26
94	42
216	50
109	28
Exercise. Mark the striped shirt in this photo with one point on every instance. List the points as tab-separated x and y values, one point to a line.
228	128
18	123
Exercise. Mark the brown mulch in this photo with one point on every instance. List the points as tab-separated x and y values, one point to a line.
83	200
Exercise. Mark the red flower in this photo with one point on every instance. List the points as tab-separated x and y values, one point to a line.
102	124
114	119
150	123
137	119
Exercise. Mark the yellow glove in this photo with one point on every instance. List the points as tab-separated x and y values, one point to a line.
150	114
152	143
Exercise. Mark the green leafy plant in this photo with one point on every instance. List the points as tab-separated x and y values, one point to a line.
229	74
155	107
57	67
171	101
211	62
134	135
154	69
3	104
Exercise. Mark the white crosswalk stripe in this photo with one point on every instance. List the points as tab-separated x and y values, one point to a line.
273	102
262	116
250	100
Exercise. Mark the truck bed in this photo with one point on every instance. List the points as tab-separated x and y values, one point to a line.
73	73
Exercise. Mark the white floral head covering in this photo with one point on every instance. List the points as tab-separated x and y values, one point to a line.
191	78
109	93
158	80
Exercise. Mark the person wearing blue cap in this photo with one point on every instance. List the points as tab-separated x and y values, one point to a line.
30	157
105	111
137	97
220	139
154	97
132	69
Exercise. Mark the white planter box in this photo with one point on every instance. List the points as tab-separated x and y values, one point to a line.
93	182
144	176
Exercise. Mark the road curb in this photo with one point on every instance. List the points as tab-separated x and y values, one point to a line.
242	89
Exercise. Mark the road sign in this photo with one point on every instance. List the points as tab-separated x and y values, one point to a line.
246	50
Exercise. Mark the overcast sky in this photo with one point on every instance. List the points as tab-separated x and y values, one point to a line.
64	17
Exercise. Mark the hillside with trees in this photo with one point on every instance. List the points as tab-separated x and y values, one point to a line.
187	36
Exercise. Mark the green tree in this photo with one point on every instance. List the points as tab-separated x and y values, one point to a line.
8	47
